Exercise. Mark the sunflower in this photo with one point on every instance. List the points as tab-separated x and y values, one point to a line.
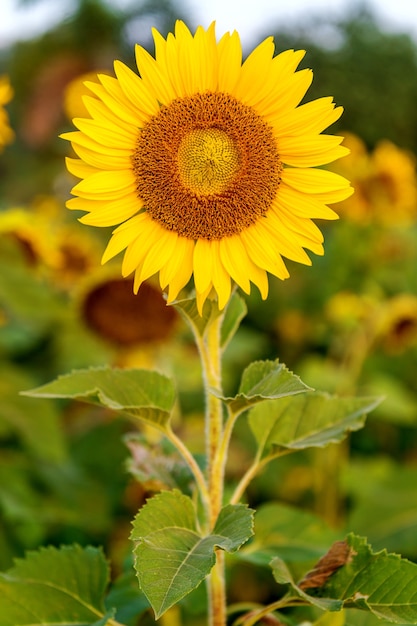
6	94
385	183
207	164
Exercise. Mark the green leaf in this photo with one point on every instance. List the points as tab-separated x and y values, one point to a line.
382	583
288	532
263	380
313	419
139	393
235	311
283	576
172	556
52	587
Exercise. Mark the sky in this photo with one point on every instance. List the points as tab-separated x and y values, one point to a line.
247	17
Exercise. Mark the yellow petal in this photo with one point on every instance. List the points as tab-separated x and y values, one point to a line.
124	235
264	250
112	212
254	73
139	248
159	254
107	134
235	260
103	160
202	262
303	205
310	118
313	181
78	168
310	151
230	61
221	278
177	272
106	185
122	110
136	90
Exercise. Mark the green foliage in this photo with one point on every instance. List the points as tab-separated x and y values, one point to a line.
58	587
263	380
172	556
294	535
313	419
141	394
378	582
351	575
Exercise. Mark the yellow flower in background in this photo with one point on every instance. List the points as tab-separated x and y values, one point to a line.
6	94
385	183
74	93
397	327
207	164
60	251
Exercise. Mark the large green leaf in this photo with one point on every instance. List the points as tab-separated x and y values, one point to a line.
263	380
142	394
54	587
172	556
351	575
313	419
292	534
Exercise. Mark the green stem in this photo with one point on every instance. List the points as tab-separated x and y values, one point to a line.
210	353
254	469
254	616
193	465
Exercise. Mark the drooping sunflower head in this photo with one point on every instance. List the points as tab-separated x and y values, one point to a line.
6	94
207	164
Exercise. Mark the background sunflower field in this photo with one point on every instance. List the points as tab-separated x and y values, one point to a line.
348	324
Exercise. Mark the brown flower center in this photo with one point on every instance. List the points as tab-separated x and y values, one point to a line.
206	166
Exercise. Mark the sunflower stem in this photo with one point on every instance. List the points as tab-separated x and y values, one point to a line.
210	352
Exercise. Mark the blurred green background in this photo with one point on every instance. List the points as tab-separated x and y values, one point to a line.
348	324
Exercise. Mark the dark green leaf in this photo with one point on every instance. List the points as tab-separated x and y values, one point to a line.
142	394
52	587
172	556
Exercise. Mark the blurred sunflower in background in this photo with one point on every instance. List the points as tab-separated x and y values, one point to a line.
207	163
385	183
6	94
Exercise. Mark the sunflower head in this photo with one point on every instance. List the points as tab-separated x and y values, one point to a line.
207	164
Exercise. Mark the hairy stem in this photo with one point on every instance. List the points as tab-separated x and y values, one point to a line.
210	352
